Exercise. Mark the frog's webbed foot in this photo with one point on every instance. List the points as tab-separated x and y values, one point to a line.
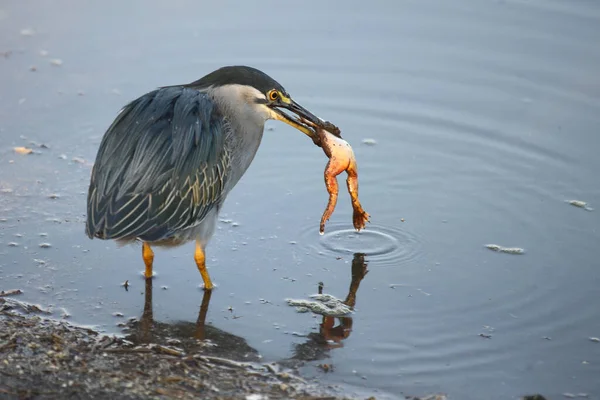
360	217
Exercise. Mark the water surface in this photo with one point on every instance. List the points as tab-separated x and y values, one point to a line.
485	117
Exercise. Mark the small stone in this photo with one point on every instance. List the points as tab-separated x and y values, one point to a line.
45	245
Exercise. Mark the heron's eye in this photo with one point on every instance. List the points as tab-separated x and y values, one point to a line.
273	95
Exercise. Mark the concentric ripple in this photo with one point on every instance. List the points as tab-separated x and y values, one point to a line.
384	244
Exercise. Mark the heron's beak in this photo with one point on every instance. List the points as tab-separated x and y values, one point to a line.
306	122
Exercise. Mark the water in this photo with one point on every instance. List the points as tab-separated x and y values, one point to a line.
485	116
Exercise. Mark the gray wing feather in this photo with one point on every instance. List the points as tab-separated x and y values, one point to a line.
161	167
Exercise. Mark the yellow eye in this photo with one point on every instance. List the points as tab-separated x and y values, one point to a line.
273	95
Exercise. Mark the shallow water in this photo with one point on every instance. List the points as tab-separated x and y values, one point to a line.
485	117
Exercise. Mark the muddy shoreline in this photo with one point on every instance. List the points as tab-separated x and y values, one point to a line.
42	358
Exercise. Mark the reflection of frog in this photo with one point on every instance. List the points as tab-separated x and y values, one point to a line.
341	158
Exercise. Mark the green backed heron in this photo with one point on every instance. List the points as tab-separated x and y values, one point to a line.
170	158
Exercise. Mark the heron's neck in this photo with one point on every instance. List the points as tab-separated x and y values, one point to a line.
246	124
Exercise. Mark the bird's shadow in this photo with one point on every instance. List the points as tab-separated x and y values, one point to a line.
199	337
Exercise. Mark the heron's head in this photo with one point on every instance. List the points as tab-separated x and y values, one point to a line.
266	96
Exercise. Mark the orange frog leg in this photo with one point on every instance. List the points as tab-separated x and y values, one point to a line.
332	170
360	216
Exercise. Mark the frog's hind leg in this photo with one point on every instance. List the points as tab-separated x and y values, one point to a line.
331	183
359	217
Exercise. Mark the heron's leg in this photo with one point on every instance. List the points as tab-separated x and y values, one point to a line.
201	263
148	255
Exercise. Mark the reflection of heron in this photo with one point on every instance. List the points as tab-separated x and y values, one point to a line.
331	336
170	158
189	336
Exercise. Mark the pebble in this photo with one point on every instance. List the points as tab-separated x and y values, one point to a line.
45	245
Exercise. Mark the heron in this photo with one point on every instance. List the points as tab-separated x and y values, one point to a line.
168	161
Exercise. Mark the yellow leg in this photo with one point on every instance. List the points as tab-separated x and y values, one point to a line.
201	263
148	255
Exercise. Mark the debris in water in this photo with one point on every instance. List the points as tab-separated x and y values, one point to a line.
11	292
501	249
580	204
13	244
27	32
44	53
78	160
125	284
325	367
54	196
595	339
572	396
369	142
45	245
33	68
62	157
56	61
23	150
485	335
324	304
117	314
402	219
430	397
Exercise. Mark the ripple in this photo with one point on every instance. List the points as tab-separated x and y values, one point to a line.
384	244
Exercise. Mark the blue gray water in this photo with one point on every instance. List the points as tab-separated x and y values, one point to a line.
485	117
